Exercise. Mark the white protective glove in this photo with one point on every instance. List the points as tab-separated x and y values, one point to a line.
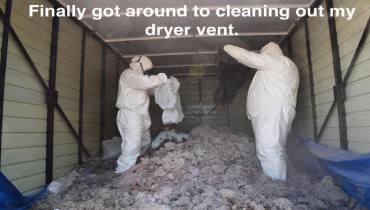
162	78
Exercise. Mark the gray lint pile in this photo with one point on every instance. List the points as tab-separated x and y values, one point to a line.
212	170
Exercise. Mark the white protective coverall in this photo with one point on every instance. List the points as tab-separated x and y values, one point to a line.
133	118
271	103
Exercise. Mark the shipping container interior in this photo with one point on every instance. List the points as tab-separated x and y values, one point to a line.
59	77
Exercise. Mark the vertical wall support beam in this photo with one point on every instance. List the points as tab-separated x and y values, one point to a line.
200	98
290	47
52	97
118	76
102	104
4	57
345	80
81	105
290	55
339	93
312	85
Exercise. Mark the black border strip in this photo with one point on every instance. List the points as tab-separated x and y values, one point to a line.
51	99
4	58
312	85
339	93
102	105
81	102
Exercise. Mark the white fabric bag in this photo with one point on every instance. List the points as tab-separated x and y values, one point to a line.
112	148
168	98
174	115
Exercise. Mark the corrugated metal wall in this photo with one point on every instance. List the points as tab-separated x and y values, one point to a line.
357	90
24	129
323	77
303	98
92	96
68	87
25	110
24	122
111	90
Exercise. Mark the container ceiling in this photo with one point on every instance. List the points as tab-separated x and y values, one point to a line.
178	53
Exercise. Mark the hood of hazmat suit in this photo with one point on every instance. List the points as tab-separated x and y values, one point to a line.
141	63
271	103
133	118
272	49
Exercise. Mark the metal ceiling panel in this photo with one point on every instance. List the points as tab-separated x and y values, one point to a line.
174	60
247	42
247	24
183	70
127	34
155	46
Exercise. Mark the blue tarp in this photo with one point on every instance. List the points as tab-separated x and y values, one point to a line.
11	198
351	169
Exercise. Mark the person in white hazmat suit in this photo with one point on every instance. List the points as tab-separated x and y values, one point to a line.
133	118
271	103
